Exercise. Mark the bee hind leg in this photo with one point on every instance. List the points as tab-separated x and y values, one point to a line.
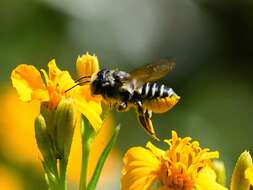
148	113
144	119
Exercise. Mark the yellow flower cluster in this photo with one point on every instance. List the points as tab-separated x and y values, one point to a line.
51	88
61	106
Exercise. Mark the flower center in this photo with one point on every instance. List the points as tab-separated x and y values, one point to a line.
55	95
176	177
182	162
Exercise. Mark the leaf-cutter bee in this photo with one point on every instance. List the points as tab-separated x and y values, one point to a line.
137	89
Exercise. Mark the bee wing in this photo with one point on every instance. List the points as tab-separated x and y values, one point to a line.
155	71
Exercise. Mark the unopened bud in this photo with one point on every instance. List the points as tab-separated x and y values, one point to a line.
249	174
42	138
86	65
65	121
238	181
48	114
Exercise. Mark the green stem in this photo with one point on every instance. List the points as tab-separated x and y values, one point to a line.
63	169
94	180
87	134
85	156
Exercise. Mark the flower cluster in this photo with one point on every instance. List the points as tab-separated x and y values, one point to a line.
60	112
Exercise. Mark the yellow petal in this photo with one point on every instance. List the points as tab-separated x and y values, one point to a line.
86	65
156	151
28	83
53	70
219	168
249	174
91	110
61	79
206	180
140	169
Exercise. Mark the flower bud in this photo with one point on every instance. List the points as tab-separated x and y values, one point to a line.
238	181
249	174
86	65
48	114
42	138
65	121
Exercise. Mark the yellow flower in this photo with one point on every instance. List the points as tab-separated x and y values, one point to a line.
184	166
30	86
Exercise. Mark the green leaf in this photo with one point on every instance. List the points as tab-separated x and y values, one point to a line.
93	182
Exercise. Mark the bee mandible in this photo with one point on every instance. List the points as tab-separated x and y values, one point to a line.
137	89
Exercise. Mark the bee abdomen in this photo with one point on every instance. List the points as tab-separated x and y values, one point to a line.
154	90
161	105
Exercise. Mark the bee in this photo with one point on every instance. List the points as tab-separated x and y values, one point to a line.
137	89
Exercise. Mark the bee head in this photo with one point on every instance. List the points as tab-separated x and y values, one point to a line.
103	80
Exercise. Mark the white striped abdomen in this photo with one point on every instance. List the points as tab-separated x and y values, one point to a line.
158	98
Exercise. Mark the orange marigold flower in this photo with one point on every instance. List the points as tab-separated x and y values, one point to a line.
184	166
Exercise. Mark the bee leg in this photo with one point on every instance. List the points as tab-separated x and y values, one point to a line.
148	114
144	119
122	106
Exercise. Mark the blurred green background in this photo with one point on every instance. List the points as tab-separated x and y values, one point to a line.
211	41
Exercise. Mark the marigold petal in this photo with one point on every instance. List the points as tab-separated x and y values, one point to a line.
44	74
61	79
206	180
86	65
156	151
53	70
40	95
91	110
140	169
28	83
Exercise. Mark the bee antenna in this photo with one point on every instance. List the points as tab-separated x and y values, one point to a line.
77	84
81	78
